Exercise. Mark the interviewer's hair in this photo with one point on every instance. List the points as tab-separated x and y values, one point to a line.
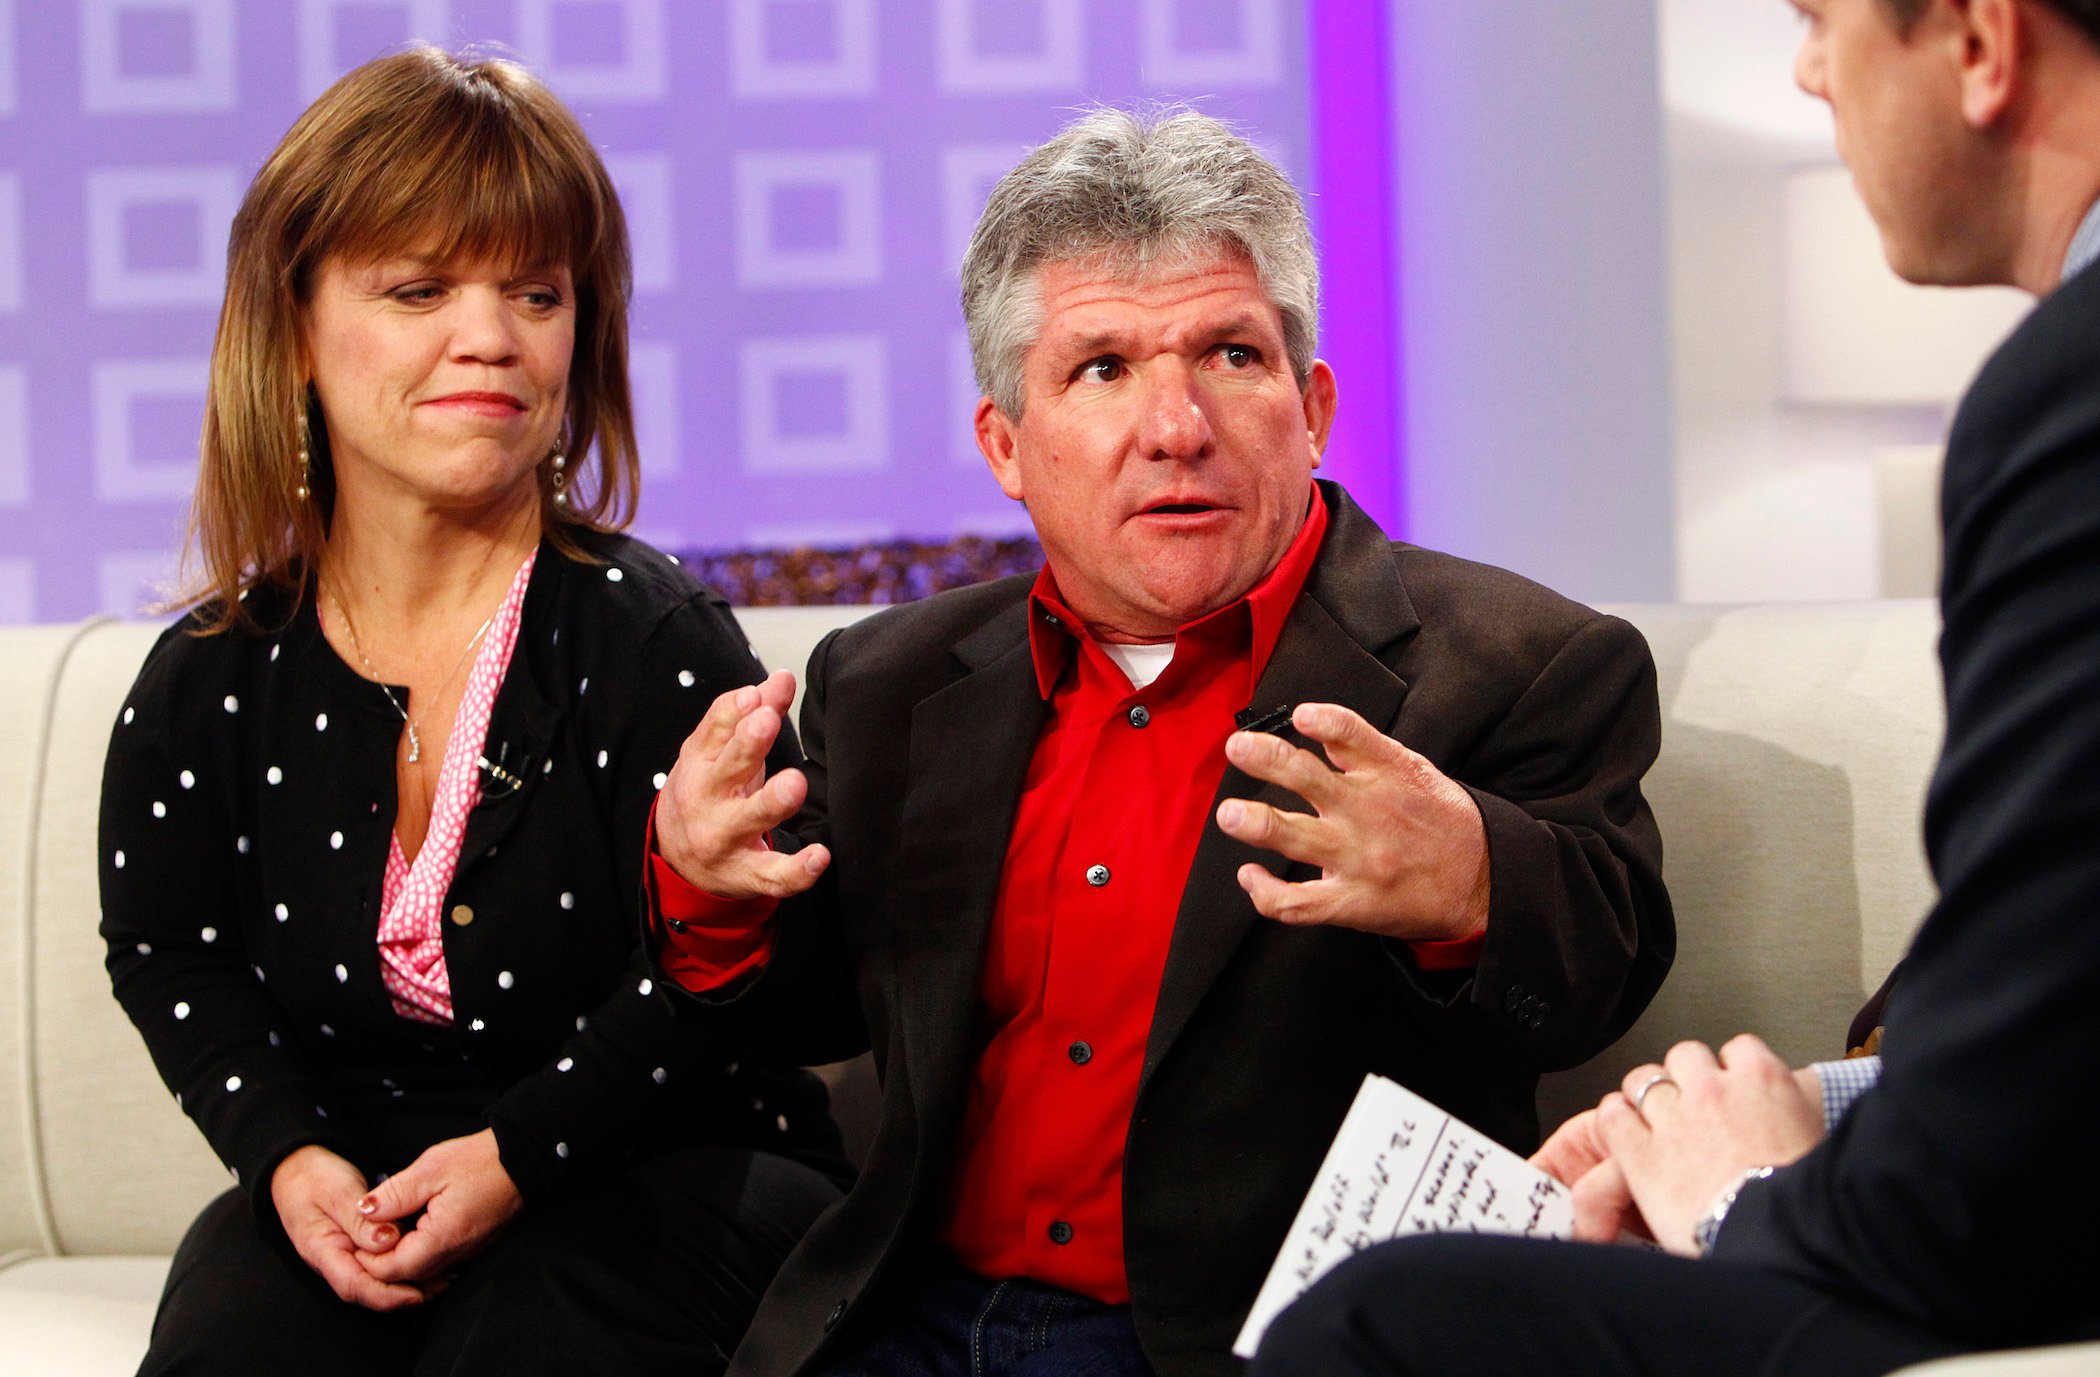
1132	188
2084	13
457	158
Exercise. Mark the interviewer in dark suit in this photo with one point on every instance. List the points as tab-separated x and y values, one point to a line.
1029	860
1950	1209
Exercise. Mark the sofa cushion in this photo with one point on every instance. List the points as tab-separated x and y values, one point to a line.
77	1316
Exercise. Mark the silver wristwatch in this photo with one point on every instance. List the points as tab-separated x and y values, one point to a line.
1708	1226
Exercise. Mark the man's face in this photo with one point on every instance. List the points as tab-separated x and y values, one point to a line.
1165	452
1896	100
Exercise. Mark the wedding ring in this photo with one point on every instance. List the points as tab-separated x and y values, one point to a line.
1641	1091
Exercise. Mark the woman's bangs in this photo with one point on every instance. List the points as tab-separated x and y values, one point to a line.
482	196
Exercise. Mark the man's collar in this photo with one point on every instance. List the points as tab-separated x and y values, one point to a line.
1053	630
2085	245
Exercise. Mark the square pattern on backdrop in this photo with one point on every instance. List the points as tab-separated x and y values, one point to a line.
800	178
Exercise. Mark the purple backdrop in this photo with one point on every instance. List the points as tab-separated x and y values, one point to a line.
800	176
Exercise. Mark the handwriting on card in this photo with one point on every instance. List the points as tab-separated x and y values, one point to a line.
1400	1165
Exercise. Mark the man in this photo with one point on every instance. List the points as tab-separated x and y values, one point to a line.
1947	1209
1030	860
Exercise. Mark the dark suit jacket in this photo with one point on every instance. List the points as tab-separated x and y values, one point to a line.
919	725
1957	1194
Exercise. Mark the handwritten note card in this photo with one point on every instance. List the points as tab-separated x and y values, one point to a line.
1400	1166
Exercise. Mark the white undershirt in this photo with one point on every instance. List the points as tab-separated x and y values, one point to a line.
1141	664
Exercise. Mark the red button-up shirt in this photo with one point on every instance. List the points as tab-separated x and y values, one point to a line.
1117	797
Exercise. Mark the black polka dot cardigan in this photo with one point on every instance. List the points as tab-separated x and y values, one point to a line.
246	810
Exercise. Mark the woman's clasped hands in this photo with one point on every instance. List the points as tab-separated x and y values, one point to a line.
394	1245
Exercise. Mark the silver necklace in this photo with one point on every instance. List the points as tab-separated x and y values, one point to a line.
415	740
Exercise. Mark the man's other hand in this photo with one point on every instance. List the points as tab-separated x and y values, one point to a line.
1401	846
717	806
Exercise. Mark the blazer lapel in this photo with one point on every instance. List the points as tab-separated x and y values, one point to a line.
970	747
1347	625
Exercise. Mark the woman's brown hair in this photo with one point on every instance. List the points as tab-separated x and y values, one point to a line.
423	152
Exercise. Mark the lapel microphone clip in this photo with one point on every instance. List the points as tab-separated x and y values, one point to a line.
1273	721
504	781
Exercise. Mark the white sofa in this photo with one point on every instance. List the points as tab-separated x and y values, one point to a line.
1796	747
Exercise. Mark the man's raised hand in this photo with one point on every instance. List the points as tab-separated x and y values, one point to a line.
1401	846
717	806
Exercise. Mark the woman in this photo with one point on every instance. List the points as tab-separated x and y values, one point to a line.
374	813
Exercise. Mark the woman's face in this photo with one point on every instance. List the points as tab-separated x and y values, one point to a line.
445	383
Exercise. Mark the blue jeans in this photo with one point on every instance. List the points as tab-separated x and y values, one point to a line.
958	1324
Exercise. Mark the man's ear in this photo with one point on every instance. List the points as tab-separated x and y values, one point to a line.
1994	36
1319	398
998	443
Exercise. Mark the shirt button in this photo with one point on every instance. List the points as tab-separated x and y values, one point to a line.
1060	1232
462	915
1097	875
1140	715
831	1321
1080	1053
675	924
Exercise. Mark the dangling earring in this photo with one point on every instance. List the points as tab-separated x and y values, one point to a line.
303	489
560	464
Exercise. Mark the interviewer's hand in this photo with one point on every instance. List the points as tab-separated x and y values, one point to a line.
1573	1150
714	811
316	1195
1711	1121
1401	846
466	1198
1576	1156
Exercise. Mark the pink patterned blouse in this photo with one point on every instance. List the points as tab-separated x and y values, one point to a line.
411	932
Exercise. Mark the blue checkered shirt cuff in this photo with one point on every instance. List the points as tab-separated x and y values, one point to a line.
1843	1083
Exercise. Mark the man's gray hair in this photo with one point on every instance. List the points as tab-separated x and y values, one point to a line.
1132	188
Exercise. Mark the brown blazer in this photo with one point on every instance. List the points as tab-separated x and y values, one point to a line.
919	725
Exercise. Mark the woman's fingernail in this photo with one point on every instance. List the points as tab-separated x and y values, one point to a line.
368	1204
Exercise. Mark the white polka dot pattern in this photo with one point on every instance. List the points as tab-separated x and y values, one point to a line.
411	927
